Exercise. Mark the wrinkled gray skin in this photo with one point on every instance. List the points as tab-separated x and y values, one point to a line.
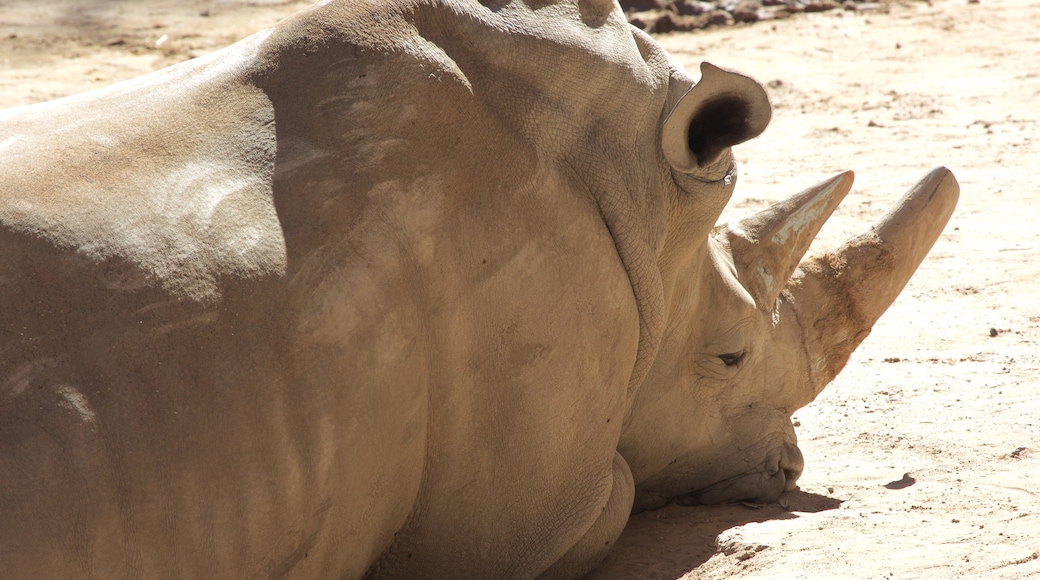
406	289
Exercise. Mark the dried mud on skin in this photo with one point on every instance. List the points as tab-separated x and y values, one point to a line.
921	457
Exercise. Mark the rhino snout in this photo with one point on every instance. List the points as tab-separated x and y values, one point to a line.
777	474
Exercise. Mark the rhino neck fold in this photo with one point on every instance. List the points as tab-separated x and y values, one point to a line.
639	261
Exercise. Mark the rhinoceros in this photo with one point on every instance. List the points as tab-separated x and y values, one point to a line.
409	289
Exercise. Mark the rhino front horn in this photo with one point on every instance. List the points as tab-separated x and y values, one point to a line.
837	297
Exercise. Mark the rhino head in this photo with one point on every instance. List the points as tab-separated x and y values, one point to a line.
752	332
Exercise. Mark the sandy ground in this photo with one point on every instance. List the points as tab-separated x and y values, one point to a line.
923	457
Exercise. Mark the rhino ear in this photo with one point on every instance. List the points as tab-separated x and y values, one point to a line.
721	110
768	246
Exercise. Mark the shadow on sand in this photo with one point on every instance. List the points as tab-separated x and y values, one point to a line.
665	544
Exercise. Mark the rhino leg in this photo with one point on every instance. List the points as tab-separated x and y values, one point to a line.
594	545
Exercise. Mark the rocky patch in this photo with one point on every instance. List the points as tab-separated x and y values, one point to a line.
660	16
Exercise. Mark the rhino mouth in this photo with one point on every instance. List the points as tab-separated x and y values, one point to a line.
760	486
775	475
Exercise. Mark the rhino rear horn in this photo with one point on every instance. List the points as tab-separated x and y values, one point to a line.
768	246
721	110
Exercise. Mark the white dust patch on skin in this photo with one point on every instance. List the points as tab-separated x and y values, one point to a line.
75	401
104	140
18	382
197	187
294	153
9	141
22	378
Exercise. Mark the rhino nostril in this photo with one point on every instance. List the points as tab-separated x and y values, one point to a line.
791	479
792	462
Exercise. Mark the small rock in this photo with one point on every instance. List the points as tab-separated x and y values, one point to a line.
669	22
821	5
719	18
644	5
863	6
993	332
644	21
665	22
748	11
777	12
693	7
727	5
204	13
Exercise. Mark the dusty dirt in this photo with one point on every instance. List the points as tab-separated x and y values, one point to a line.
923	457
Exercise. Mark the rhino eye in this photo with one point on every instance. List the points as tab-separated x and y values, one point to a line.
732	359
